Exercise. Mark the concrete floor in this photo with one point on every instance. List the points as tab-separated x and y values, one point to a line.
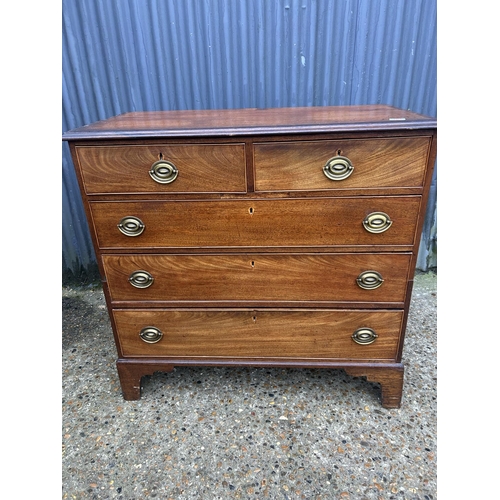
225	433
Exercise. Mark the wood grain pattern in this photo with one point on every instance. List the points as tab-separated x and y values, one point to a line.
125	169
253	250
247	122
259	333
298	166
256	223
258	278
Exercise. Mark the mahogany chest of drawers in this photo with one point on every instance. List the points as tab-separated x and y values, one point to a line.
258	237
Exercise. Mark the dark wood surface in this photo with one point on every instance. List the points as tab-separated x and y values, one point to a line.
125	169
378	163
260	334
287	222
257	279
246	122
253	250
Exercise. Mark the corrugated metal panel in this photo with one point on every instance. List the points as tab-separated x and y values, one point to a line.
128	55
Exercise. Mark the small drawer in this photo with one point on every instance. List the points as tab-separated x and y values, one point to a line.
257	334
307	222
172	168
341	164
258	279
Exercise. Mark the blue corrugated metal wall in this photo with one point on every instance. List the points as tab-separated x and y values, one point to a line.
128	55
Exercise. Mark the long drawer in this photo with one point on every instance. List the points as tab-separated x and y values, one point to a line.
126	169
256	223
259	278
247	334
375	163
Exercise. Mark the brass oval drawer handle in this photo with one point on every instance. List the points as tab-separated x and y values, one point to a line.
131	226
141	279
377	222
163	172
364	336
338	168
151	334
369	280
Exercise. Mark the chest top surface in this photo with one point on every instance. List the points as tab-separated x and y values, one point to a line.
246	122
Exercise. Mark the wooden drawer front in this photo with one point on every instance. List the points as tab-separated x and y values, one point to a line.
259	334
125	169
378	163
256	223
257	278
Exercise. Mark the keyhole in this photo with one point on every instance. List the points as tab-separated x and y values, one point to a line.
250	211
253	263
339	152
160	156
254	318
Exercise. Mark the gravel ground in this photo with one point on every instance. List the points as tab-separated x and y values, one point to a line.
229	433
